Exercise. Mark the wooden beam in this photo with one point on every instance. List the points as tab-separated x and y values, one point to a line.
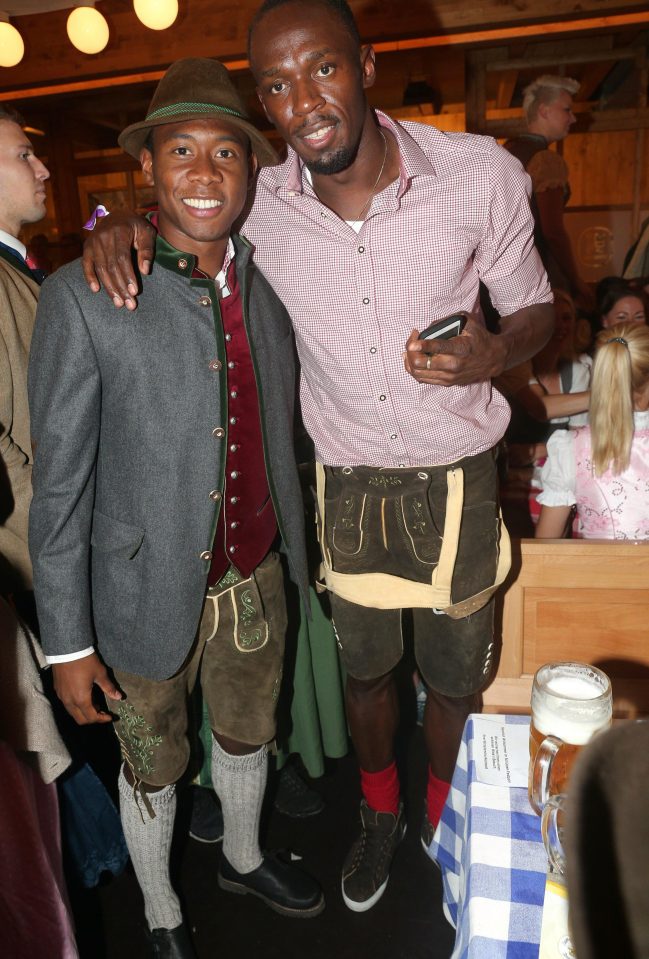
506	86
595	56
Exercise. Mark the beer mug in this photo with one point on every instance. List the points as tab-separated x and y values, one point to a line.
570	703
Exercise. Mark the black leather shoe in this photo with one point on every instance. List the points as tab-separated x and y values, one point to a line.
170	944
282	886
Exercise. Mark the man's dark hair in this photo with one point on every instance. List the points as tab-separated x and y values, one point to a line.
339	8
8	113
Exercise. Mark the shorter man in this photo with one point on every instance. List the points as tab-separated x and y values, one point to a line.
547	105
165	464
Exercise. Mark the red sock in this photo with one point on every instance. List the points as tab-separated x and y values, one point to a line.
436	793
381	790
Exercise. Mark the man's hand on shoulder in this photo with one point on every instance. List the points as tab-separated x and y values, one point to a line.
74	681
107	255
472	357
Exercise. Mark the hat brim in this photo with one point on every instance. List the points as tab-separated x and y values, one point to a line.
134	137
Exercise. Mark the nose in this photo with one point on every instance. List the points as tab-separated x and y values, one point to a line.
41	172
205	170
306	97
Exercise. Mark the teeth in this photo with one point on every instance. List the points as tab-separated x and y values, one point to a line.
319	134
200	204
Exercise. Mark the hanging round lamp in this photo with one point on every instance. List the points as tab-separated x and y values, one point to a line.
87	29
156	14
12	48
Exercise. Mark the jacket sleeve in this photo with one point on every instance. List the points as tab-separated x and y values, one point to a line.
65	405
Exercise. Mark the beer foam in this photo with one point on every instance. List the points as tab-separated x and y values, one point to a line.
573	687
570	729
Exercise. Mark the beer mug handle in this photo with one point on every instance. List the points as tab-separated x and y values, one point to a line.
540	790
551	833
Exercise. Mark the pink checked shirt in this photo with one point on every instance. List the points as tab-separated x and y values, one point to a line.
459	212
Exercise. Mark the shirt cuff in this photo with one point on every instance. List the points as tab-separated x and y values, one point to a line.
70	657
96	214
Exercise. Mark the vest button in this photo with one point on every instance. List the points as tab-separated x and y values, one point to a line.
206	555
215	494
234	447
232	549
234	474
234	524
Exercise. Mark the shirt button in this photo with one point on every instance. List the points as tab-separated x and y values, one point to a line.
234	524
366	300
233	394
361	249
205	301
205	554
182	263
233	420
372	349
234	499
228	336
382	397
231	365
393	436
232	549
215	494
215	365
218	432
402	465
234	447
234	474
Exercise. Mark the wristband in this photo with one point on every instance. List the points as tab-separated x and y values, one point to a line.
97	213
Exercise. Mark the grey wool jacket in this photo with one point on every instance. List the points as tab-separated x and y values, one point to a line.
123	409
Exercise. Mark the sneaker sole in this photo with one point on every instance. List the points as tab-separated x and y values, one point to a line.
372	901
205	839
229	886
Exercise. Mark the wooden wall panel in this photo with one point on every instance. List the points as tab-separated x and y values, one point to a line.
601	167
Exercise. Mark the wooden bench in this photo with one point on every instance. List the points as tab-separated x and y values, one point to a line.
583	600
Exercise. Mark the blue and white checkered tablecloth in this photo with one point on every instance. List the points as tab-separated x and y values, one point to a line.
488	845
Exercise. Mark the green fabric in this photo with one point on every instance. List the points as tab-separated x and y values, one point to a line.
319	727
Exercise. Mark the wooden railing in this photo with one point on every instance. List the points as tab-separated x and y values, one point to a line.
583	600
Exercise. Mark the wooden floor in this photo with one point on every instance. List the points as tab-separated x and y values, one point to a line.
407	923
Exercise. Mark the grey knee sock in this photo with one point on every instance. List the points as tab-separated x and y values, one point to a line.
149	843
240	783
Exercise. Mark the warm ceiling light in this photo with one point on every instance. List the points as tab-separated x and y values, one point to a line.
156	14
87	29
12	48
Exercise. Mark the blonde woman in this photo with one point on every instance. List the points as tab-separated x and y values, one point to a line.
603	468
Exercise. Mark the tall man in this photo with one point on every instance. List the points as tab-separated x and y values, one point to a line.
547	105
164	465
370	228
22	201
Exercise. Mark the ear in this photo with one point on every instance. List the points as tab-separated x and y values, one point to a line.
146	162
253	166
368	65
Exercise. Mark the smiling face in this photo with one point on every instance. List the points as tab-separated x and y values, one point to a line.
201	170
22	180
628	309
311	79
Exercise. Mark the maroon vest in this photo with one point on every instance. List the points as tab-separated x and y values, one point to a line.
247	524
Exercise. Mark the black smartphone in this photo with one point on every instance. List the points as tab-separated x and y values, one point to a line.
445	329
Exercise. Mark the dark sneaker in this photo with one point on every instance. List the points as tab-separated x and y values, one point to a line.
367	867
282	886
170	943
427	832
206	823
294	798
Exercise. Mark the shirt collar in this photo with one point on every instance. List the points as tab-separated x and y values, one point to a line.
185	263
14	243
412	161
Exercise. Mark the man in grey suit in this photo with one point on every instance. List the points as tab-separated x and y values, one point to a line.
164	469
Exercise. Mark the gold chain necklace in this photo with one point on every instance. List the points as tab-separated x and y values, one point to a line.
376	182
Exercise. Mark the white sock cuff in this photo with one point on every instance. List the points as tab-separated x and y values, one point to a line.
245	763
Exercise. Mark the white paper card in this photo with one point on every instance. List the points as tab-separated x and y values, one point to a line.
500	751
